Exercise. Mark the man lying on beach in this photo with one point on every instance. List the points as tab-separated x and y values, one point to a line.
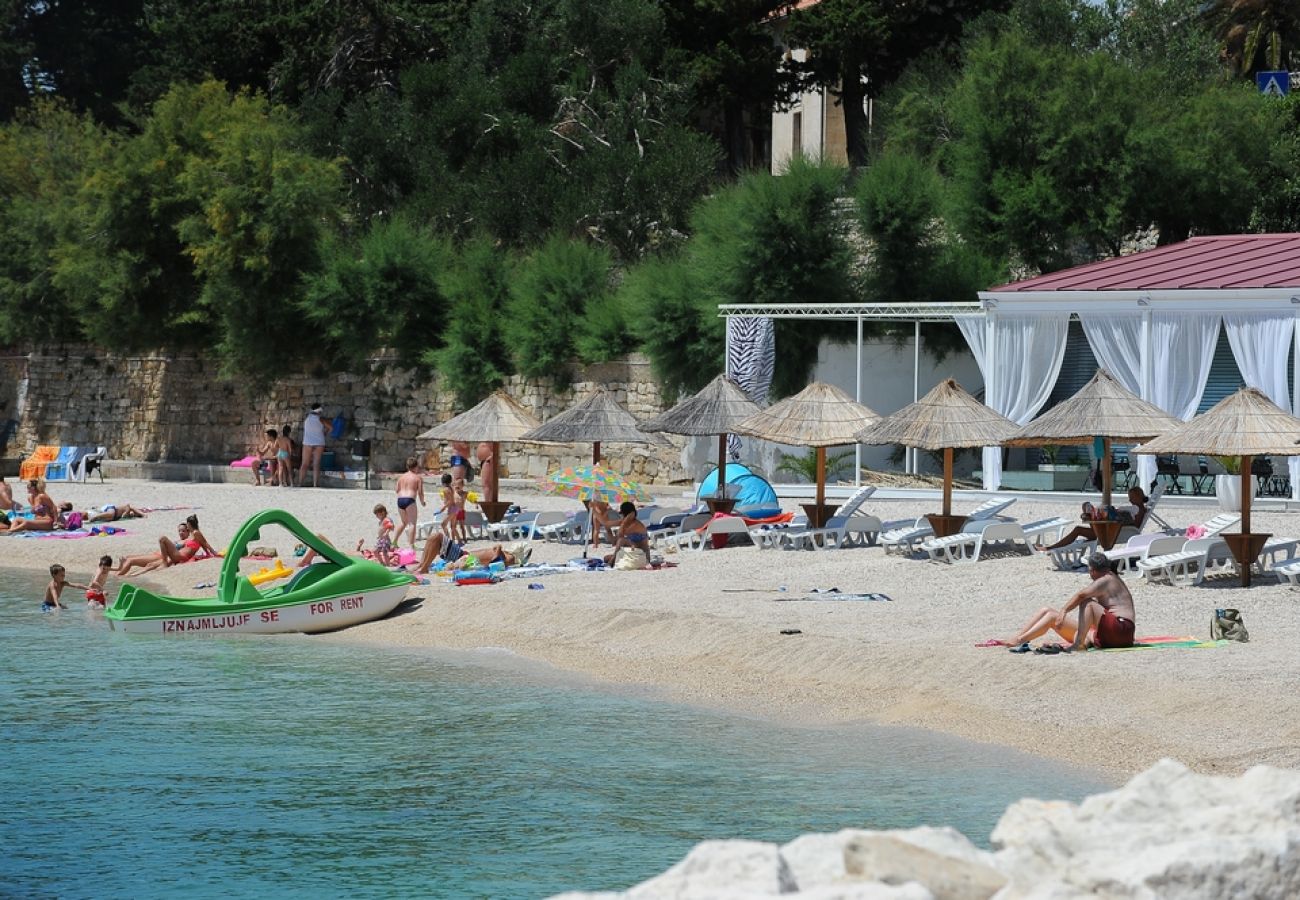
1105	620
462	558
112	513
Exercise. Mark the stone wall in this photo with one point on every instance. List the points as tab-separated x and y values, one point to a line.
179	408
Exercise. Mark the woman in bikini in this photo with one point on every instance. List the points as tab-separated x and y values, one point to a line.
632	534
410	488
45	512
148	562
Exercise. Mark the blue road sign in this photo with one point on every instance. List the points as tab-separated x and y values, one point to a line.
1276	83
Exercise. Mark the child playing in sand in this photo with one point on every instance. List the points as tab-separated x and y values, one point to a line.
453	508
95	590
58	581
384	554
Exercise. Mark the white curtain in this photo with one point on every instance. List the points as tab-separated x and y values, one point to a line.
1116	342
1182	351
1261	344
1019	370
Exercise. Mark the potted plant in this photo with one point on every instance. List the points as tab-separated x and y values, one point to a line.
1227	484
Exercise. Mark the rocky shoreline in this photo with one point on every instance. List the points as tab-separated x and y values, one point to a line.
1167	833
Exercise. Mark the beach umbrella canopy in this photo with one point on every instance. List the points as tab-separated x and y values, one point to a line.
599	419
1245	424
717	409
498	418
946	418
1102	408
594	482
821	416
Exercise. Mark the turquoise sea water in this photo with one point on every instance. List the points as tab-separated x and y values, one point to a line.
291	767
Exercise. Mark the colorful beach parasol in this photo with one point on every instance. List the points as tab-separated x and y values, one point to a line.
594	482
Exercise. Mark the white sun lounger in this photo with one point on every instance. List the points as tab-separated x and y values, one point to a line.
840	532
668	536
1141	547
1288	571
570	531
694	539
1189	566
908	538
968	546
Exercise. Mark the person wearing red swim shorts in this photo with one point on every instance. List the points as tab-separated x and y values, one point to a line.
1105	618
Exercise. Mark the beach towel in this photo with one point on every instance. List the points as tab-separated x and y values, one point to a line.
34	465
1162	643
105	531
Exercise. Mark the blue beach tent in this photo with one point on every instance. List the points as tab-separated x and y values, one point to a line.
752	491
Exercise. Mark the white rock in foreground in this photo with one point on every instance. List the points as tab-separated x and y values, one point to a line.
1168	833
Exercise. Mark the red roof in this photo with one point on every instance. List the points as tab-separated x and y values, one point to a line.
1202	263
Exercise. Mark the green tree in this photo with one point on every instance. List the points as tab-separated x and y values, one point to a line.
1255	35
683	337
856	48
474	359
85	54
386	291
555	310
1043	150
723	50
199	229
45	154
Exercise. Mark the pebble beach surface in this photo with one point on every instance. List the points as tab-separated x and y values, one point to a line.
711	630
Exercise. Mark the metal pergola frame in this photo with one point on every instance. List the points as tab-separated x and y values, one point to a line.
916	313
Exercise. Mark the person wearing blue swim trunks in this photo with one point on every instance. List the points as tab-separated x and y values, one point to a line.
410	488
632	537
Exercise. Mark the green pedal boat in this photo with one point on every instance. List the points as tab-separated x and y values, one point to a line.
333	592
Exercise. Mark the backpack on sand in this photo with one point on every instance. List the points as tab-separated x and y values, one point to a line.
1228	626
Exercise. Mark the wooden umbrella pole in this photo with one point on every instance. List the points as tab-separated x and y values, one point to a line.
1105	471
496	465
947	481
722	466
1245	559
821	477
595	453
1246	462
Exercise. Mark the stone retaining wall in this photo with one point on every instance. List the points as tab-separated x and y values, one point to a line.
179	408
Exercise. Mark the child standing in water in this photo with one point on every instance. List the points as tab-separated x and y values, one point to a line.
95	590
58	581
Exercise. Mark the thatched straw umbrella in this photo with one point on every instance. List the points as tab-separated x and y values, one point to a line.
1246	424
1102	408
498	418
821	416
944	419
599	419
717	409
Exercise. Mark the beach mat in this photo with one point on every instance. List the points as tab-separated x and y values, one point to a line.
68	535
1162	643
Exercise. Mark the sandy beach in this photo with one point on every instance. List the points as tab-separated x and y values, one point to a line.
708	631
